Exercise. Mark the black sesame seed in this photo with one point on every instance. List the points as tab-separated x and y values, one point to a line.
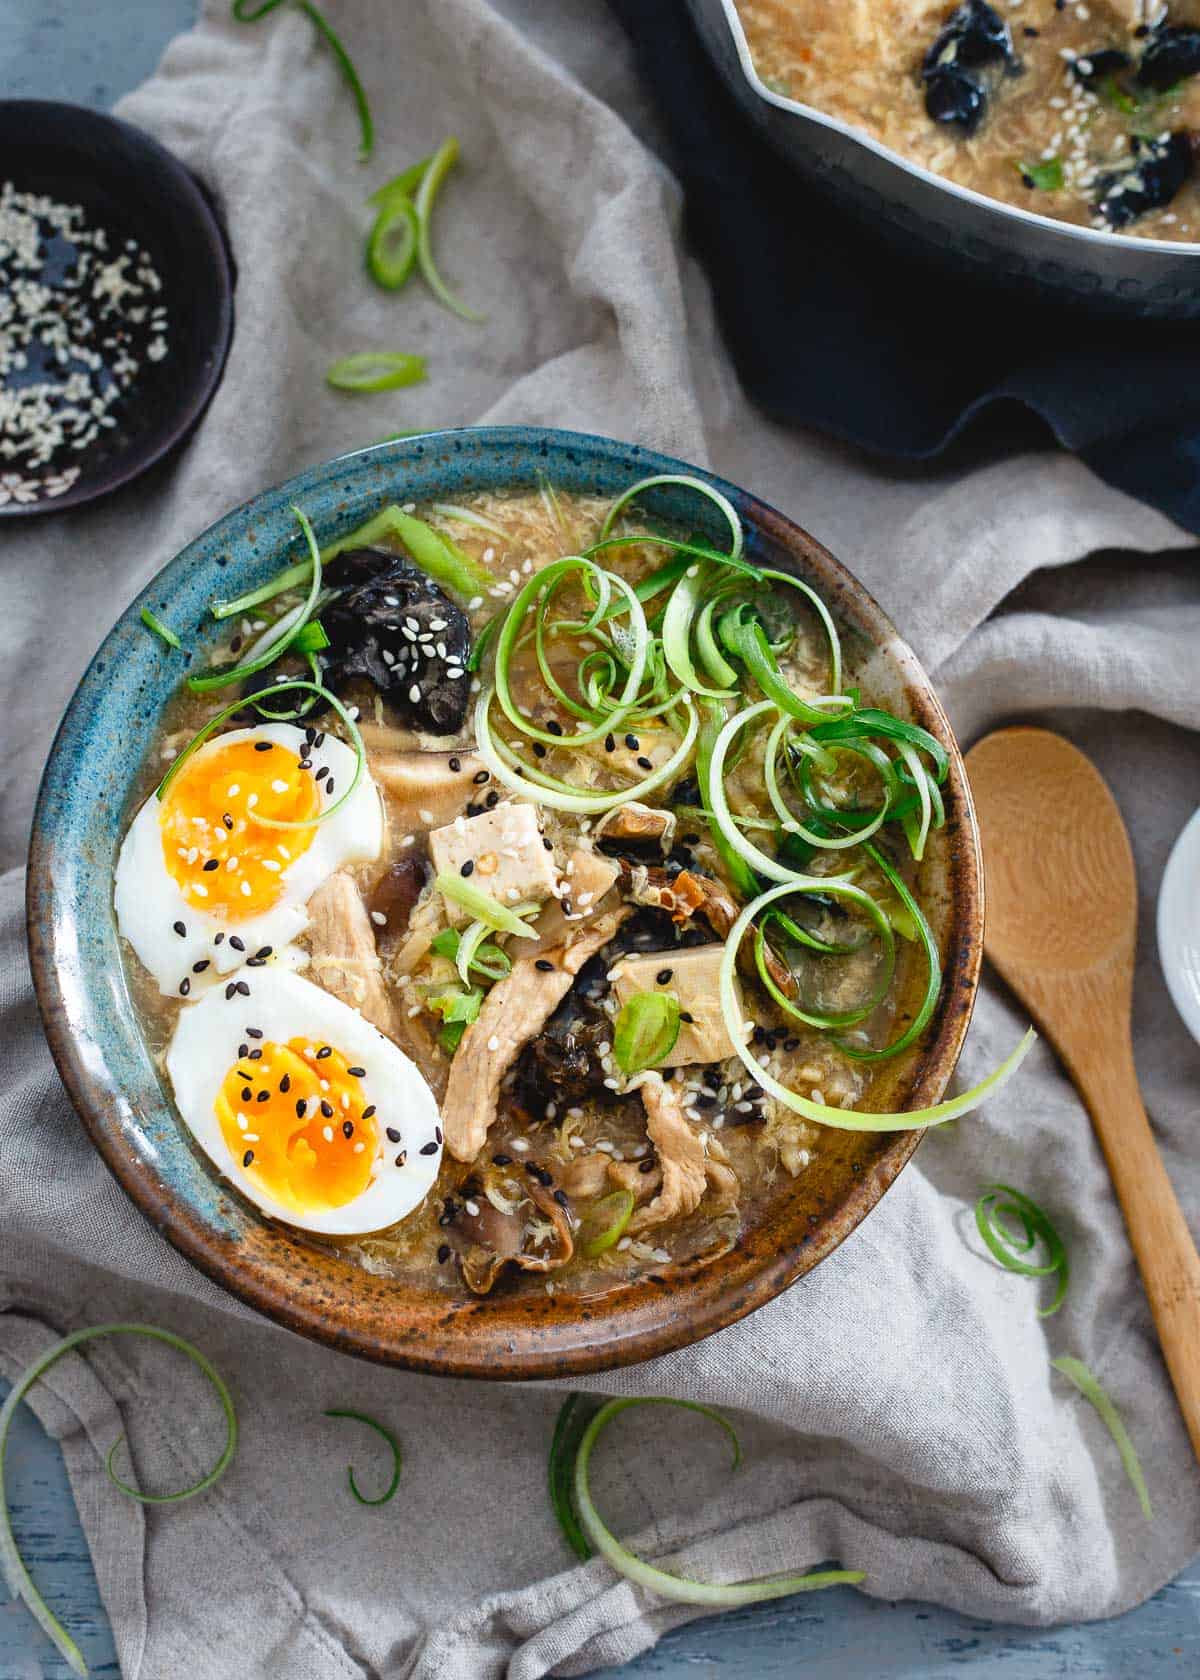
560	1196
437	1132
254	1055
301	1108
548	844
324	1051
327	1110
319	739
322	773
703	1099
227	820
305	764
473	810
243	1050
264	952
686	1015
368	1112
285	1084
263	746
539	750
689	839
329	785
242	988
357	1072
255	962
403	1157
248	1157
544	966
554	727
429	1148
791	1044
492	800
645	764
468	868
199	967
632	742
253	1032
502	1160
310	734
263	1096
663	976
456	764
218	939
347	1128
213	863
230	990
247	1094
568	908
610	743
393	1135
443	1254
646	1166
185	986
235	645
235	943
481	776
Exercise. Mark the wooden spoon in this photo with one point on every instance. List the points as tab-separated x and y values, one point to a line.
1061	928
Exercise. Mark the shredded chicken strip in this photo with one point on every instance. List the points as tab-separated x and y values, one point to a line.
345	963
425	788
688	1169
514	1010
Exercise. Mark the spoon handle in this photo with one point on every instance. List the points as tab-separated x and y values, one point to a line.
1158	1233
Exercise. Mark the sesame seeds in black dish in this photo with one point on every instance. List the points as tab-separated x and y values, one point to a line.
105	221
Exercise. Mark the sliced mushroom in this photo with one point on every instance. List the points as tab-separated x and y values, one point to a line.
637	825
491	1239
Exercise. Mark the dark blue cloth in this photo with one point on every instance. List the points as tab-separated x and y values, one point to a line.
832	329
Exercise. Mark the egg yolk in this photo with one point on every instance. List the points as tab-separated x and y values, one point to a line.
225	859
297	1119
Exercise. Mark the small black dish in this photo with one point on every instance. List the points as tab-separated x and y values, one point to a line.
131	186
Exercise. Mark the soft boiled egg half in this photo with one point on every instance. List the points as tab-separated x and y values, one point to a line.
219	870
305	1106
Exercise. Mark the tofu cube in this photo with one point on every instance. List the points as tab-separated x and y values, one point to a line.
505	848
691	975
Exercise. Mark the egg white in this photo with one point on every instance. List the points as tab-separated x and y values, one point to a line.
284	1006
149	902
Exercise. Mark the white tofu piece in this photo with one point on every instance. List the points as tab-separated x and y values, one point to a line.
691	975
505	846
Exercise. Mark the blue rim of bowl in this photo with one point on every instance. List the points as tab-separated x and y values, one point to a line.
518	1336
146	451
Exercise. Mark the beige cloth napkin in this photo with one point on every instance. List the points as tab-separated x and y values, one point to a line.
898	1408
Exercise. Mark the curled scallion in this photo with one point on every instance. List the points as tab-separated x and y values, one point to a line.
1000	1203
392	246
1077	1372
372	1423
440	165
18	1576
248	11
680	1588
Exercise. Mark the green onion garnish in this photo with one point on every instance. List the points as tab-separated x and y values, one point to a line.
162	631
678	1587
577	1412
998	1204
14	1568
440	164
1077	1372
433	551
608	1218
288	685
392	246
371	1423
645	1031
482	906
245	11
1046	176
293	625
376	370
403	185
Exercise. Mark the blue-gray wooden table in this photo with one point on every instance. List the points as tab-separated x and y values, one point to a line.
91	52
